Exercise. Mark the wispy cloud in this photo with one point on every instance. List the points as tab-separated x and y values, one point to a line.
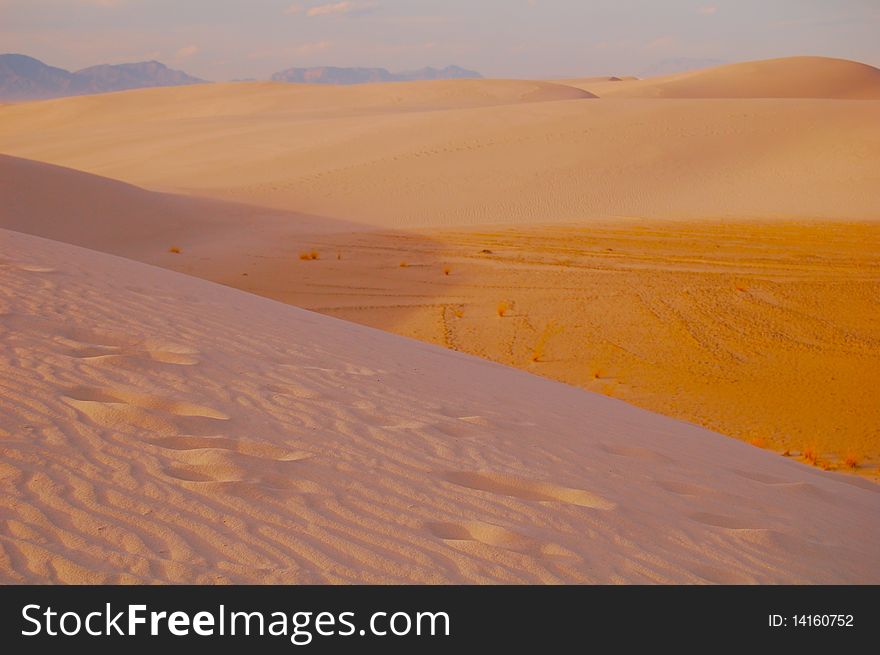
186	51
708	10
346	7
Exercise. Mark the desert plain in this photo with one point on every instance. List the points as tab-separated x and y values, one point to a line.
684	269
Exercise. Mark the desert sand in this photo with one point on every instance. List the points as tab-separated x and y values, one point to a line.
475	152
703	246
160	428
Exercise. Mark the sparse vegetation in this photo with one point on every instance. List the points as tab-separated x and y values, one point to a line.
811	455
458	312
404	265
309	255
851	461
485	251
447	270
758	442
174	249
504	308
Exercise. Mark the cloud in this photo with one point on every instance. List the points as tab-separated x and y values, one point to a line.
708	10
186	51
346	7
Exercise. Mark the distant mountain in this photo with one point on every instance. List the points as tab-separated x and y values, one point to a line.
26	78
334	75
120	77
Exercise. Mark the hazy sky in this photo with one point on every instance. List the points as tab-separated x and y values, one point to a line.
225	39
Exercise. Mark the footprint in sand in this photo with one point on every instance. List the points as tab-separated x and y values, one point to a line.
721	521
514	487
28	268
497	537
684	488
234	470
293	390
165	353
485	533
759	477
635	452
719	575
99	345
804	489
240	446
114	407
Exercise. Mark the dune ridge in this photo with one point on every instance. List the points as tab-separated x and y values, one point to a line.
290	447
786	77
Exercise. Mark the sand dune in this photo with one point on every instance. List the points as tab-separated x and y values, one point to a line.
74	207
96	212
343	154
160	428
789	77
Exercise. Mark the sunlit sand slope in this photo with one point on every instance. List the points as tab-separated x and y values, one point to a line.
425	155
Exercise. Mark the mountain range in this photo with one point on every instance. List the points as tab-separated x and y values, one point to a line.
26	78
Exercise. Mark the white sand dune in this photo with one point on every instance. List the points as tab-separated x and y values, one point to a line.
95	212
156	427
472	152
788	77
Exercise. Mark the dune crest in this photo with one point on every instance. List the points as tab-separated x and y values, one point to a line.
787	77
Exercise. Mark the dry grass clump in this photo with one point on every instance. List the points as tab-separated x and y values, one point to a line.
811	455
174	249
504	308
447	270
758	442
404	265
309	255
851	461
